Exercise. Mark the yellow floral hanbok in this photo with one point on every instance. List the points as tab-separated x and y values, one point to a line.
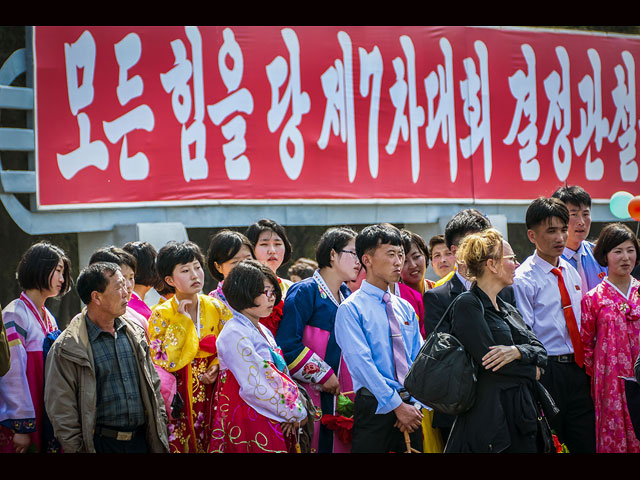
187	349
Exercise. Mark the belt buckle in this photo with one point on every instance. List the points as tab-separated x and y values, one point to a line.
124	436
567	358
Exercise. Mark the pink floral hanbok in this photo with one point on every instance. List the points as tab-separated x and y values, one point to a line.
610	329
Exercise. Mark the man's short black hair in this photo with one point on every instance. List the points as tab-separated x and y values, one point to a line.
333	239
176	253
223	247
38	264
542	209
245	283
145	255
574	195
374	235
463	223
95	278
610	237
115	255
265	225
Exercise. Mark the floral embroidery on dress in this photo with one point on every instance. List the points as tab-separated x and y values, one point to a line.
610	328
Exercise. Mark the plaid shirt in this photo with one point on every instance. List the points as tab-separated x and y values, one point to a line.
119	404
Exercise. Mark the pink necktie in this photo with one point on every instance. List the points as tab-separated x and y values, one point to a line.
399	354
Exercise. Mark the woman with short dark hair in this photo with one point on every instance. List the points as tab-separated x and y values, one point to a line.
306	331
610	327
226	249
43	272
413	282
258	406
146	275
273	249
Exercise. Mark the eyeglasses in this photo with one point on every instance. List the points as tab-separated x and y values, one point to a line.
511	257
350	252
269	292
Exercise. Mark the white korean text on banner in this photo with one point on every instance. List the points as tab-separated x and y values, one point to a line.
128	115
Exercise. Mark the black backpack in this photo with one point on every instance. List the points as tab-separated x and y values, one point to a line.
443	376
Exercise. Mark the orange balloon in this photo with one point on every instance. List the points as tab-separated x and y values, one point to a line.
634	208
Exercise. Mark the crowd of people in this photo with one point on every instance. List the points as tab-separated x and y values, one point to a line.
316	363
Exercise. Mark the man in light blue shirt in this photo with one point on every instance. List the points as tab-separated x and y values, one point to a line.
538	286
383	410
578	251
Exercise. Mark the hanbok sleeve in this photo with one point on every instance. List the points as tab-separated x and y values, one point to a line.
172	338
304	364
263	387
588	330
5	354
17	412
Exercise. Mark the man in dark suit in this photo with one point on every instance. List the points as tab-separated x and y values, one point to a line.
438	298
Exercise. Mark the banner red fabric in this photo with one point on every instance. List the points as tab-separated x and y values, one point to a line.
168	115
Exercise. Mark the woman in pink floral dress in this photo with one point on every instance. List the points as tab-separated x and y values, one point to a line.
610	330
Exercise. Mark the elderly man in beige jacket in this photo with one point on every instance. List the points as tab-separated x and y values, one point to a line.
102	392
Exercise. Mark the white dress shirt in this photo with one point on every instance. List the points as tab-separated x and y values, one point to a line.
538	298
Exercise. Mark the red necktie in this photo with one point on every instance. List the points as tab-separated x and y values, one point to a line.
570	318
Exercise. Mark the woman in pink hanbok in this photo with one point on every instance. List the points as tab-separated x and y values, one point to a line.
43	272
610	329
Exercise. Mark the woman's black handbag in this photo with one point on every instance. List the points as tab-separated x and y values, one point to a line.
443	376
545	408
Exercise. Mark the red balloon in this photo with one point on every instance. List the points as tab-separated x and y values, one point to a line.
634	208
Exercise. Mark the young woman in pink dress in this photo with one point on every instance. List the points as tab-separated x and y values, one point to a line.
43	272
610	329
414	283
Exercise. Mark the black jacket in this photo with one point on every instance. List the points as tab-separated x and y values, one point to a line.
436	302
504	413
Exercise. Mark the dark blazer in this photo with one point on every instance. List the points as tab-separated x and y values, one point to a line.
436	302
504	415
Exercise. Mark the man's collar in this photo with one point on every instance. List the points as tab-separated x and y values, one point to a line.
544	265
94	330
568	253
466	283
372	289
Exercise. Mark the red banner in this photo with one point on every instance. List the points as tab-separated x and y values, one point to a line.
130	115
